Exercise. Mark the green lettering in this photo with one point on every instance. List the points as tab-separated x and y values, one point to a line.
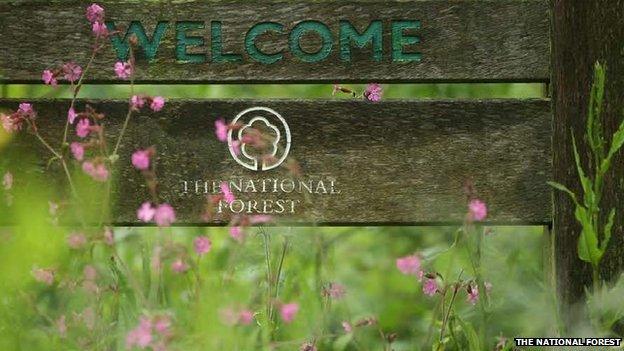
323	31
372	34
184	41
216	45
150	47
250	42
400	40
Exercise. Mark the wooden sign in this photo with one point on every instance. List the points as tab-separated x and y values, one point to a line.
246	42
395	162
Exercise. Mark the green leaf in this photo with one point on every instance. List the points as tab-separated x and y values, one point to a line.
616	142
588	249
471	335
588	198
563	188
607	231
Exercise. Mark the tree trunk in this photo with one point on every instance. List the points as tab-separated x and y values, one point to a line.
583	32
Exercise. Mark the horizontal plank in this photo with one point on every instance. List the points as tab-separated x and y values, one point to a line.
459	41
394	162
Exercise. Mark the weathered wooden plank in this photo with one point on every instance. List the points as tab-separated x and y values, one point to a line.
457	40
395	162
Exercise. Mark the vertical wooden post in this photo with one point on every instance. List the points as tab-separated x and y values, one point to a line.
583	32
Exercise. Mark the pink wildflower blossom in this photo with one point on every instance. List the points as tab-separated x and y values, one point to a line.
61	326
71	115
141	159
48	78
109	236
347	327
373	92
202	245
430	287
7	123
236	232
99	29
409	265
478	210
335	291
473	294
157	104
289	311
245	317
123	70
137	102
162	325
26	110
258	219
77	150
72	71
179	266
228	196
165	215
7	180
95	13
89	272
146	212
98	172
43	275
83	128
141	336
76	240
236	147
221	130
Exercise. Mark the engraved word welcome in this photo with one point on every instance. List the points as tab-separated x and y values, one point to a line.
190	43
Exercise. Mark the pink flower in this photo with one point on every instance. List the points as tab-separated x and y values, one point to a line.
221	130
99	29
72	71
61	326
137	102
109	236
89	272
236	232
409	265
43	275
123	70
7	123
430	287
477	210
473	294
141	336
162	325
97	172
289	311
100	173
373	92
95	13
202	245
179	266
165	215
157	103
7	181
26	109
77	150
146	212
258	219
76	240
141	159
48	78
236	147
83	128
347	327
335	291
71	115
228	196
245	317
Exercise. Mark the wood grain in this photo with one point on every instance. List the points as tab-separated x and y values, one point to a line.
394	162
601	36
461	41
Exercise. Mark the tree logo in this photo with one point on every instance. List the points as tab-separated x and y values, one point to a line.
261	140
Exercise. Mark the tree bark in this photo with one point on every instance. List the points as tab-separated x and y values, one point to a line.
583	32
